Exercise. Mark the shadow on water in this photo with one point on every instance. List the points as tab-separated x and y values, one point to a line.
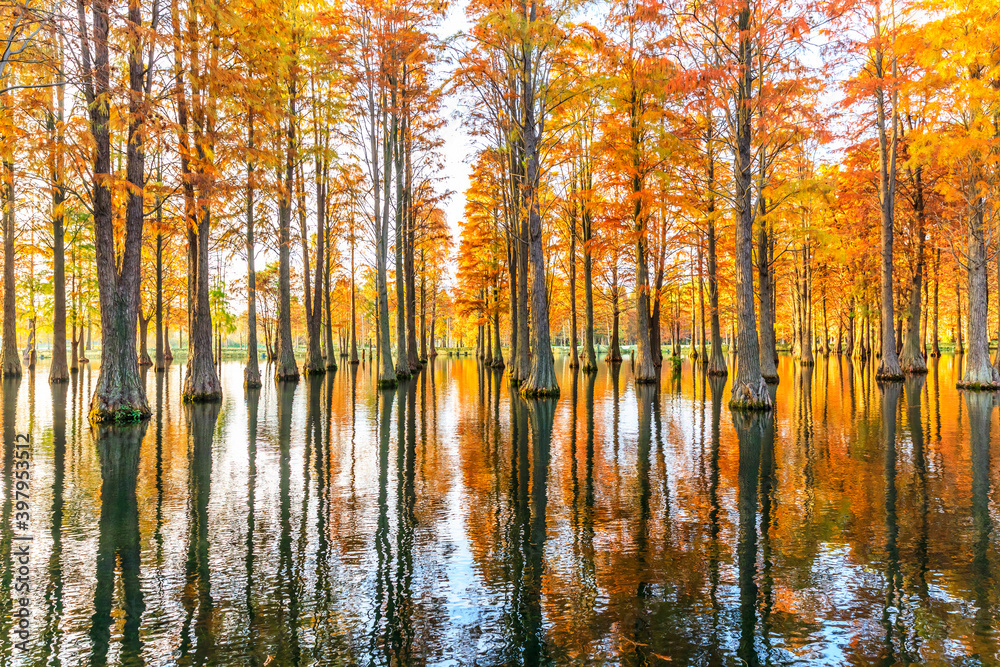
197	640
450	521
118	448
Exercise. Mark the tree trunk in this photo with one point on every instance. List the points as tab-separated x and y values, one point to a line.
614	355
574	356
768	345
589	362
251	372
10	358
541	379
161	364
888	368
702	344
717	363
119	395
497	352
749	390
936	347
354	316
58	370
911	359
959	330
143	358
979	372
286	369
423	309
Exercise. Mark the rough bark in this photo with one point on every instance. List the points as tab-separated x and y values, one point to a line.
888	368
589	361
717	361
768	345
541	378
614	355
749	390
143	358
286	369
58	370
119	395
959	329
10	358
251	372
936	345
979	372
911	360
574	355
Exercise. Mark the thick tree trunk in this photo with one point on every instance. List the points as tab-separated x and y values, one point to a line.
541	379
10	358
286	369
768	345
911	360
979	372
119	395
749	390
201	382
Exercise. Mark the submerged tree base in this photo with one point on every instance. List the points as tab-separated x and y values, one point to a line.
123	414
745	397
540	392
388	383
202	397
890	377
772	379
978	386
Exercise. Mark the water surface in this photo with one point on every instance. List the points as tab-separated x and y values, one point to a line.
450	522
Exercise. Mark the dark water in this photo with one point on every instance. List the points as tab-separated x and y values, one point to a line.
451	523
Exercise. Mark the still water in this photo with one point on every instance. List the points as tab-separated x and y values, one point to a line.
450	522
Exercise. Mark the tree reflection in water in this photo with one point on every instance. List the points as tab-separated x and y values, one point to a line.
451	520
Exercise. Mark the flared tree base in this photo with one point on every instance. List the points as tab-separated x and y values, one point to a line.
387	383
121	413
202	396
771	379
747	396
527	391
978	386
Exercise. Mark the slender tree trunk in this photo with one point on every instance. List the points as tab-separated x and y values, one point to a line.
717	363
702	343
497	352
936	347
888	368
574	358
58	370
589	363
959	329
286	368
251	372
614	355
160	362
354	317
143	358
10	358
